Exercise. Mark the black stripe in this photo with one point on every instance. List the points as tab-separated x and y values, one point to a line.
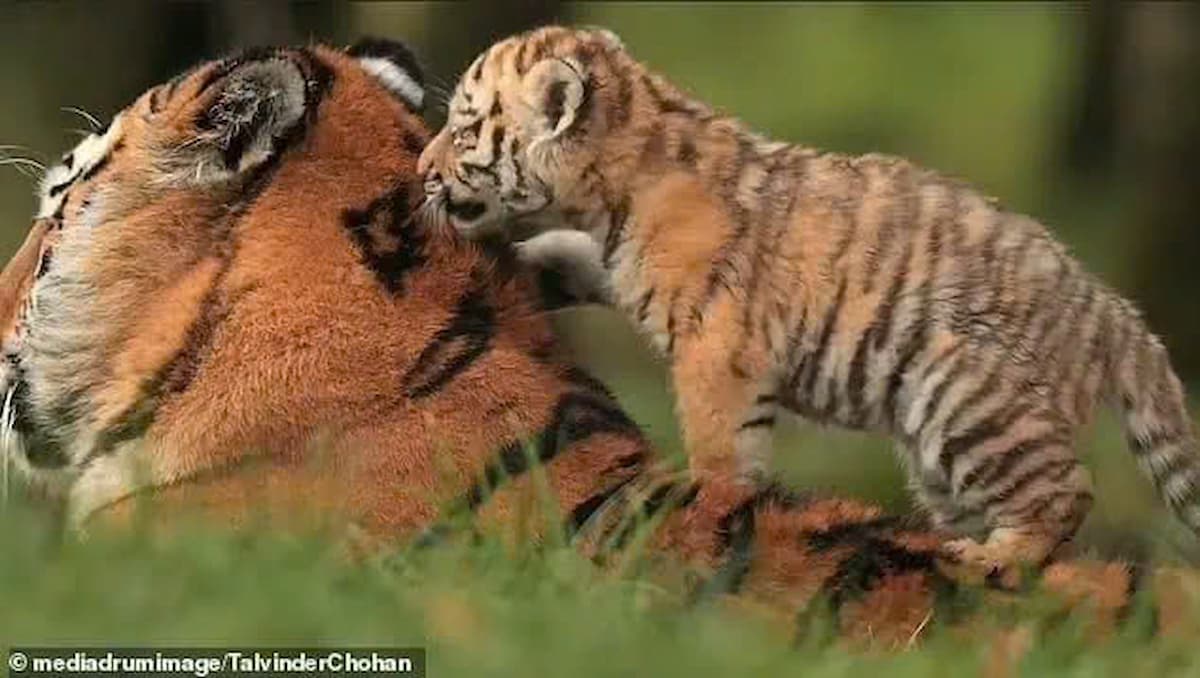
918	330
584	380
958	364
587	508
669	495
623	108
1043	470
617	216
522	64
908	352
886	311
671	322
97	168
389	241
987	428
215	307
816	363
644	306
1181	463
1076	313
497	140
59	188
891	222
511	462
455	347
856	380
1095	358
735	537
763	237
999	465
1035	508
156	100
577	416
985	388
519	184
873	557
541	49
686	155
759	422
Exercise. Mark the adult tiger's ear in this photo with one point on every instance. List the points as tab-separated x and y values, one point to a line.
555	90
255	105
395	66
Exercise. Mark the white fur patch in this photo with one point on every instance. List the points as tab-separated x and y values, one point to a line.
107	480
84	157
396	79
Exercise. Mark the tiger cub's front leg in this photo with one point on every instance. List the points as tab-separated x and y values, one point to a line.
726	410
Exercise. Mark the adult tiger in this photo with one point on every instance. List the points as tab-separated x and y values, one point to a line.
226	303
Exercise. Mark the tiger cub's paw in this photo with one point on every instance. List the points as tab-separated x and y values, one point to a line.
570	267
1002	561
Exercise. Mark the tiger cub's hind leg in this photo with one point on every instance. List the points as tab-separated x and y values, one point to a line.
1024	483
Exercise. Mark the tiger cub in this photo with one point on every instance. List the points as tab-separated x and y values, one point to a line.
862	291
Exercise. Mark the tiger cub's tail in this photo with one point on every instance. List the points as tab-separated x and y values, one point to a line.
1159	428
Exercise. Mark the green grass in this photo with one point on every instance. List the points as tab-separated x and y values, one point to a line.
480	606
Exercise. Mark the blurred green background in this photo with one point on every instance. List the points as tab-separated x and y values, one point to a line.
1084	116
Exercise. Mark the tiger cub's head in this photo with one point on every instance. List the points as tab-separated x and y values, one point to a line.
149	233
526	129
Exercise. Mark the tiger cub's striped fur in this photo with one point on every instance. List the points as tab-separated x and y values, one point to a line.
863	291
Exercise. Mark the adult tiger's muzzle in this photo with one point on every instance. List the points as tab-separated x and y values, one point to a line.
16	281
16	301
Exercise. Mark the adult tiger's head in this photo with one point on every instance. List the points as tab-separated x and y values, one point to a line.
234	268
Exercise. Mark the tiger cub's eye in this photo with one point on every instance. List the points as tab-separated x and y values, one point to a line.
464	139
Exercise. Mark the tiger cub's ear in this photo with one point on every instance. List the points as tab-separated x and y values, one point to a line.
554	89
257	103
395	66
